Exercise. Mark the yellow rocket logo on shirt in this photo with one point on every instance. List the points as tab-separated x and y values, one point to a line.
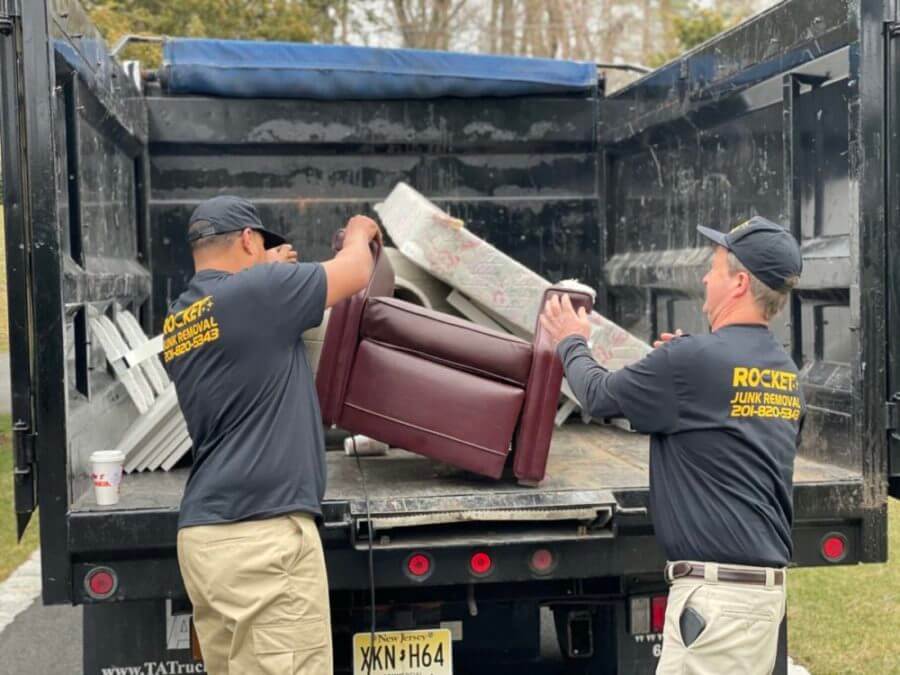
189	329
765	393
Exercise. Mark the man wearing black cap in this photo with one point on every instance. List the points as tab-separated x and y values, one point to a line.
724	411
248	545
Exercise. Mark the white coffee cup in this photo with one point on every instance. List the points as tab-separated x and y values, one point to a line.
365	446
106	473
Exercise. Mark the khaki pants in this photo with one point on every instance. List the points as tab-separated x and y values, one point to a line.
741	634
260	595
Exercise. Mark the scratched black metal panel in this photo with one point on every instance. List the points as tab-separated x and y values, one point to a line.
868	305
62	174
521	172
78	42
824	124
715	177
660	192
784	37
107	196
714	141
719	177
824	340
98	223
81	121
557	238
309	175
434	126
892	250
100	131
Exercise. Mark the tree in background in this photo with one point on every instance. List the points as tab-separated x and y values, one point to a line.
427	25
700	26
291	20
635	31
692	26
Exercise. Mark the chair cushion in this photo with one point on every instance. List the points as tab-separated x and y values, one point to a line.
431	409
441	338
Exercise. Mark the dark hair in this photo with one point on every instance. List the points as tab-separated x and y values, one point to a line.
211	241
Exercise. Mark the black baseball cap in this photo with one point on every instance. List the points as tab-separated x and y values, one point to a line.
230	214
765	248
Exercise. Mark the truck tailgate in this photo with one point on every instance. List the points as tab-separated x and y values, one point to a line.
413	500
588	464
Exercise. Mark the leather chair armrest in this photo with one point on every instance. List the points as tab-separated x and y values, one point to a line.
535	430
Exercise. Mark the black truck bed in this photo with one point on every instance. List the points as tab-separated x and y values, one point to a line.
590	461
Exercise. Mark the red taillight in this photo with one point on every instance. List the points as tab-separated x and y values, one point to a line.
658	613
542	561
834	547
648	614
480	563
418	565
100	583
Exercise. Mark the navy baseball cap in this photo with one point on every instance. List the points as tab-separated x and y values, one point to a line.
765	248
230	214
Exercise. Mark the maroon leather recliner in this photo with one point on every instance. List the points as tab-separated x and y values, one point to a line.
437	385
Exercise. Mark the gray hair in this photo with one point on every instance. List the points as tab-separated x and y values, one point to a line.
769	301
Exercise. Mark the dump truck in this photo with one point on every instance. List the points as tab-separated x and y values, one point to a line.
793	115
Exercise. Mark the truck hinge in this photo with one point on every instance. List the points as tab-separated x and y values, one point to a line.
23	447
893	28
892	416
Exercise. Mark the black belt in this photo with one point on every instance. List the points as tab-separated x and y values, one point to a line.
736	575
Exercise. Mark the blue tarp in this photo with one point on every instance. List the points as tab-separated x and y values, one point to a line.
249	69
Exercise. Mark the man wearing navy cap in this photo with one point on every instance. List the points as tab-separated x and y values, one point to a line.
724	412
248	545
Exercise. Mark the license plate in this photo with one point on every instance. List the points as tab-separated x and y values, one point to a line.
407	652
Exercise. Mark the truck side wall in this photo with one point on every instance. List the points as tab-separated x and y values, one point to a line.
100	132
74	205
782	127
520	172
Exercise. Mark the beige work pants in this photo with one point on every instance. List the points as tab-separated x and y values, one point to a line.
741	634
260	595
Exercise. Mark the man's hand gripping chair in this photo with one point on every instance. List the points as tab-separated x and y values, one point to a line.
437	385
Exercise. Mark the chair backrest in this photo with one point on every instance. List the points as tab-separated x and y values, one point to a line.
342	334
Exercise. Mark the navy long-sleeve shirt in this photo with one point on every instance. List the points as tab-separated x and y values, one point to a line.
724	413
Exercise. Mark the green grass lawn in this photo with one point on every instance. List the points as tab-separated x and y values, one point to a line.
847	619
12	554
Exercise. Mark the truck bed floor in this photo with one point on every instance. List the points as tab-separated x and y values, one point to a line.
582	458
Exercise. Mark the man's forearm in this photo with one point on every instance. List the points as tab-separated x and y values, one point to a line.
356	249
587	379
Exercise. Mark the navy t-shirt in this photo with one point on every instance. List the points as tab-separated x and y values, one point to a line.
724	411
233	348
